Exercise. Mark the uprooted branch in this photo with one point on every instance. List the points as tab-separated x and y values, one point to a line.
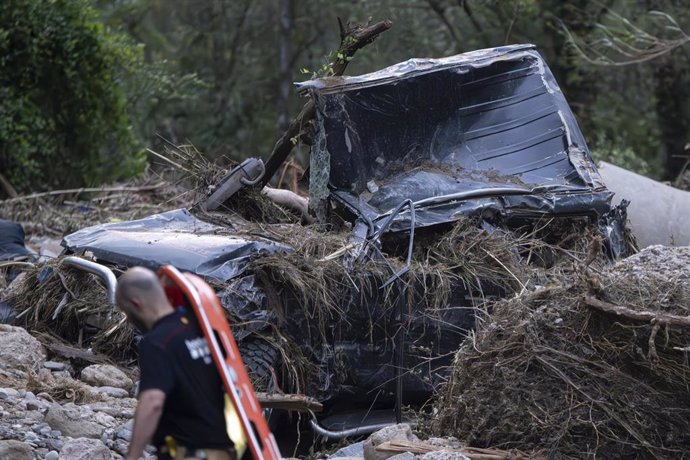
353	37
647	316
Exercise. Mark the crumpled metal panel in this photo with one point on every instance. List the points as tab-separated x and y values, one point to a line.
445	132
176	238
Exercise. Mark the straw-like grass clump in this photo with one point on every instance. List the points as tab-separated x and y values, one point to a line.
550	370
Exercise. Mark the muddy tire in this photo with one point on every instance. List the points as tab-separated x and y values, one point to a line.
261	360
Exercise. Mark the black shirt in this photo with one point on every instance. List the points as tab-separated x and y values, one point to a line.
174	357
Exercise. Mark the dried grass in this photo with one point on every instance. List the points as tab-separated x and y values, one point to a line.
73	305
62	390
545	370
60	214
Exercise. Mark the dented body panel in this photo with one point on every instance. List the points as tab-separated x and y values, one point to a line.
486	131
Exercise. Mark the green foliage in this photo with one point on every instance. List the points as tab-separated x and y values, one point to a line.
63	110
213	72
625	157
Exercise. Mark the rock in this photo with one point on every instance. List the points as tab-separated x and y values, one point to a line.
125	431
401	432
55	366
105	375
42	429
353	450
62	374
85	449
104	419
120	446
73	421
31	438
19	350
120	408
54	444
6	393
113	392
443	455
52	455
403	456
33	405
15	450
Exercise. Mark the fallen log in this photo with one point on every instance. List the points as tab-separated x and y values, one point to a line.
353	37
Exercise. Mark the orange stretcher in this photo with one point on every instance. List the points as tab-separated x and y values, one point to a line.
192	291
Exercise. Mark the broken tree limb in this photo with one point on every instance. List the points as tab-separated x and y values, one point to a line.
7	187
290	402
77	191
353	37
646	316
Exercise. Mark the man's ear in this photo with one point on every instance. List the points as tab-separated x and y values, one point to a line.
136	304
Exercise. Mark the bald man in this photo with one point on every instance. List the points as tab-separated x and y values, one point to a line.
180	409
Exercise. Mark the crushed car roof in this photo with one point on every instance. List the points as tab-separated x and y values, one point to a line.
485	129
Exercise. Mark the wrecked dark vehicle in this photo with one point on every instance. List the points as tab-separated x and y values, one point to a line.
398	157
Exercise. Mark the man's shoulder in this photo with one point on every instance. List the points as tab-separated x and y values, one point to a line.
174	329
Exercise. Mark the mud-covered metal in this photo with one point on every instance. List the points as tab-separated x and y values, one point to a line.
176	238
419	144
485	132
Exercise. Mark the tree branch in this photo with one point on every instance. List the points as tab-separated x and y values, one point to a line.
353	37
477	26
646	316
440	12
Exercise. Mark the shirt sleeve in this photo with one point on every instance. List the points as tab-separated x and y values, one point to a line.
155	368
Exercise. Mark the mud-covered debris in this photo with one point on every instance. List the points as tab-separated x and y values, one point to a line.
546	370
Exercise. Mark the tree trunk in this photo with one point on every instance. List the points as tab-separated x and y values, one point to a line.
672	91
285	25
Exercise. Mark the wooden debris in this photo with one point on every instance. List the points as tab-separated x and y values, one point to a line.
473	453
647	316
291	402
77	191
353	37
69	352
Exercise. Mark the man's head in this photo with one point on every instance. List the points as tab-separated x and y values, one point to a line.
141	297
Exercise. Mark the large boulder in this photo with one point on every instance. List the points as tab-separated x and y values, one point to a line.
85	449
15	450
19	350
401	432
105	375
72	420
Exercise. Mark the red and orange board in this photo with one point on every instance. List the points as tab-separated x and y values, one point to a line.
206	306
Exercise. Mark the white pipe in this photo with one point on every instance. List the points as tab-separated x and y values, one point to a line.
658	213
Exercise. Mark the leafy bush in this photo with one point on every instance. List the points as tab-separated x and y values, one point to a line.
625	157
63	112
